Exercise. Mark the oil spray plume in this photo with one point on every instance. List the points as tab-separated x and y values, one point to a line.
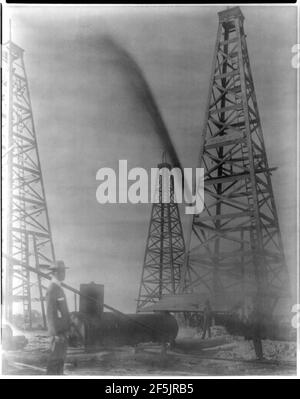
124	60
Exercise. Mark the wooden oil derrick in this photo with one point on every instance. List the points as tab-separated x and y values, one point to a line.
235	247
165	248
27	237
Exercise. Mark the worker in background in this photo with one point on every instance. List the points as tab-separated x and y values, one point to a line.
58	320
207	319
251	318
256	328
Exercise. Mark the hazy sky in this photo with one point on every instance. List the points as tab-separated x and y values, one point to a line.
87	117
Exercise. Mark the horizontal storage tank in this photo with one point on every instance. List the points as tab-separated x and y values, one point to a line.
93	327
114	329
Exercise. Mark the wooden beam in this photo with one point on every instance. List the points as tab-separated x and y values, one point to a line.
226	139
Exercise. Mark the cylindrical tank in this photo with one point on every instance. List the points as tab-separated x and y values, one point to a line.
130	329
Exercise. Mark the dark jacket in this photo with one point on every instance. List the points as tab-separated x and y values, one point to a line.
207	315
58	317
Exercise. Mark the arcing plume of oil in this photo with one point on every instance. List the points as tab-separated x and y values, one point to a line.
132	71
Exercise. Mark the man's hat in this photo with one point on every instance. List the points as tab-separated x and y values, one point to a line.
58	265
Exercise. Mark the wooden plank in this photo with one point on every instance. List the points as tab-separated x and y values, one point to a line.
225	179
29	170
18	105
226	109
226	75
194	302
226	139
21	366
224	42
246	193
22	137
39	234
226	216
229	89
235	160
19	76
32	201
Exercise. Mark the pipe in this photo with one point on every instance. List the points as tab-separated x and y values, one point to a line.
111	329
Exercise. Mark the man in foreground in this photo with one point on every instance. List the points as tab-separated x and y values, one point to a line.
58	320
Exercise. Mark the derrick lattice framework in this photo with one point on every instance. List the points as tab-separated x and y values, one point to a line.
27	239
165	248
235	246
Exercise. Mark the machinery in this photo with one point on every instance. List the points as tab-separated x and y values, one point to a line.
93	328
236	316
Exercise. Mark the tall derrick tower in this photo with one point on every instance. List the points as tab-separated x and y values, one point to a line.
235	247
165	246
27	238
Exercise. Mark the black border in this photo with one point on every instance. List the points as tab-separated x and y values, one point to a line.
11	2
96	388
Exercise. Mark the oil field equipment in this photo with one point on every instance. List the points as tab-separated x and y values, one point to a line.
165	248
28	239
93	327
235	249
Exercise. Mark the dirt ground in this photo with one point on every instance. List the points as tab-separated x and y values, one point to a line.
219	355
